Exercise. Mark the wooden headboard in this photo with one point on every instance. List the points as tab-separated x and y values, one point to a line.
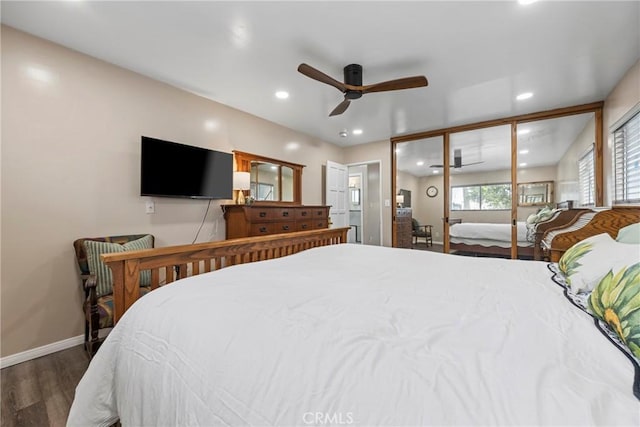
607	221
177	262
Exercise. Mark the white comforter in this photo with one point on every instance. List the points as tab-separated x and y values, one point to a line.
361	335
488	231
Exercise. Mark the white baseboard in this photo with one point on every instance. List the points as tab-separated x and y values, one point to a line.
34	353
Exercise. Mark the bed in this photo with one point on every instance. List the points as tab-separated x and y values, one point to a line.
350	334
488	239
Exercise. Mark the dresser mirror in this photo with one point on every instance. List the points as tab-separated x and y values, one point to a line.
272	180
535	193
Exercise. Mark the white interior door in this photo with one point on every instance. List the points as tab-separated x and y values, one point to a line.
337	183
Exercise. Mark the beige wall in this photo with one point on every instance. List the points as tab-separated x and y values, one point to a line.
567	187
622	98
70	169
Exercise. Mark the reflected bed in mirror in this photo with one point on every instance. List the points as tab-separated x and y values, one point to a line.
535	193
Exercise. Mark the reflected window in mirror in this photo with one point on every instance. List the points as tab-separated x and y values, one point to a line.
535	193
272	180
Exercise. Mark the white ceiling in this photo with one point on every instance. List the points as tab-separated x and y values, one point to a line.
477	55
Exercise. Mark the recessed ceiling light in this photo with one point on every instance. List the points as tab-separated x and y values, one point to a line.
523	131
420	163
435	171
397	150
523	151
357	132
522	165
343	134
523	96
281	94
526	2
274	167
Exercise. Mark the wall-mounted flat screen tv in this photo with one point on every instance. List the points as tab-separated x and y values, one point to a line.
169	169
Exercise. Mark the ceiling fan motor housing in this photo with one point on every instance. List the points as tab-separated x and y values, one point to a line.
353	77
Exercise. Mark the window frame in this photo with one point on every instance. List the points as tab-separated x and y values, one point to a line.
480	197
623	147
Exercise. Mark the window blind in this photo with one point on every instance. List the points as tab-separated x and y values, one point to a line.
586	179
627	161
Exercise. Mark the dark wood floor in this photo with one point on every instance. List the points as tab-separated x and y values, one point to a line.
39	392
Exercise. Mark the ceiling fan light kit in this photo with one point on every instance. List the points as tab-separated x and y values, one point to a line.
352	87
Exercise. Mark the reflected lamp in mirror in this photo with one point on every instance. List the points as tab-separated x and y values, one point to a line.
241	183
535	193
399	200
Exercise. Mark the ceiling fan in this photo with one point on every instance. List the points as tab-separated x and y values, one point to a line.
352	86
457	160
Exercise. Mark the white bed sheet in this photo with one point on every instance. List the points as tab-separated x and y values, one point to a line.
489	231
362	335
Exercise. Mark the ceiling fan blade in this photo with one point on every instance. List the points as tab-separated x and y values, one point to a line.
398	84
318	75
341	108
436	166
474	163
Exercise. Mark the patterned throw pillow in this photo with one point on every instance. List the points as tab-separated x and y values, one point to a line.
587	262
103	273
616	301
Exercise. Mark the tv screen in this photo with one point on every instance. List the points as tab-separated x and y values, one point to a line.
169	169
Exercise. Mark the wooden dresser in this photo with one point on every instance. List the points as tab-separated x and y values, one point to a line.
404	228
261	220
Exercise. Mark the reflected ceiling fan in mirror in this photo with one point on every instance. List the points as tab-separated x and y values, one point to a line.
457	161
352	87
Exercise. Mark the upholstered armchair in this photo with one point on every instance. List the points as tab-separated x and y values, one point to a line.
422	231
97	281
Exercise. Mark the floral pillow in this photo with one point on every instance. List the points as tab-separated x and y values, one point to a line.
586	263
616	301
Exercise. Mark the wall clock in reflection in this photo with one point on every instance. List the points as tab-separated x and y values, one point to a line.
432	191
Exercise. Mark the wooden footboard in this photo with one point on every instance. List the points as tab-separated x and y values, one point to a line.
176	262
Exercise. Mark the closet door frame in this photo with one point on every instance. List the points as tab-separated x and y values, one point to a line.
513	121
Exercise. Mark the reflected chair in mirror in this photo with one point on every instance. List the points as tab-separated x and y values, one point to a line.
97	281
421	231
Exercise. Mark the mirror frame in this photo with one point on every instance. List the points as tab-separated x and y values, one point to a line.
548	197
243	164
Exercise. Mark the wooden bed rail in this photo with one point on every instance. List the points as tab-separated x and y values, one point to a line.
176	262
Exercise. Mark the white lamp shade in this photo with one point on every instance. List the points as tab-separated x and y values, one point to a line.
241	180
400	198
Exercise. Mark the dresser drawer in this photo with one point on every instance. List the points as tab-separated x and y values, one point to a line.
320	223
263	214
319	213
302	225
263	229
303	214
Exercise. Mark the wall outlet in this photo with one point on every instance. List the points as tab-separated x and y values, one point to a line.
150	207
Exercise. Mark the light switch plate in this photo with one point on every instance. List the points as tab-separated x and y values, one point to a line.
150	207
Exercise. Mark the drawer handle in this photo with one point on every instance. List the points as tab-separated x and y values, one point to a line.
319	212
303	213
263	214
304	226
285	213
263	229
285	227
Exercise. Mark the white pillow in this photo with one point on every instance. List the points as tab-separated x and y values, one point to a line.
588	261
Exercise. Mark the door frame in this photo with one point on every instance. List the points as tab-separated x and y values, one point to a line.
380	193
